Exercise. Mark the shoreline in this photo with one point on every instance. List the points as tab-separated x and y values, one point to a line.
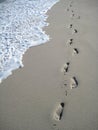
55	73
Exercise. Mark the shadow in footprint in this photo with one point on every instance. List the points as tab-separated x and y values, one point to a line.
70	41
75	51
70	26
61	114
67	9
75	31
70	5
72	15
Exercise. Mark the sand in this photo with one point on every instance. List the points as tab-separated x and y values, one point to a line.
62	71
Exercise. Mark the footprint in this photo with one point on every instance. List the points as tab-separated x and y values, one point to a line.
70	26
58	113
75	51
75	31
72	15
70	41
65	84
67	9
73	83
70	5
65	68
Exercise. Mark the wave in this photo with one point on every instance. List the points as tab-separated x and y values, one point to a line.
21	27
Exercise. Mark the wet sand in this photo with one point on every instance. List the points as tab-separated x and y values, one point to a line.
57	89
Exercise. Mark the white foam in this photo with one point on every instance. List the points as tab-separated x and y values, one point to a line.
21	24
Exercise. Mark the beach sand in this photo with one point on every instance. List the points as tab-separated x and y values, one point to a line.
57	89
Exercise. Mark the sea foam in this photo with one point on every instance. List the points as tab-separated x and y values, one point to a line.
21	24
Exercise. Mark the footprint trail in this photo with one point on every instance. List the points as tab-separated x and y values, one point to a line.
69	82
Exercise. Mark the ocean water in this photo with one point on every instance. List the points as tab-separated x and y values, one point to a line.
21	27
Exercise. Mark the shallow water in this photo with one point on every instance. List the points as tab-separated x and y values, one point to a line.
21	24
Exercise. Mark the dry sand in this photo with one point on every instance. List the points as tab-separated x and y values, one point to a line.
60	71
